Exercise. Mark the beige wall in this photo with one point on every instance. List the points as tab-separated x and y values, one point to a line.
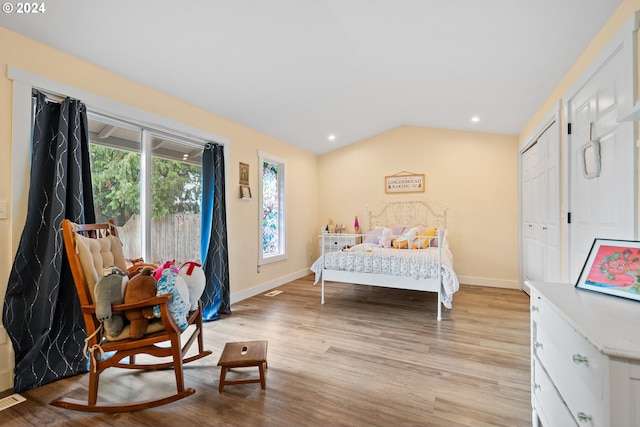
474	173
28	55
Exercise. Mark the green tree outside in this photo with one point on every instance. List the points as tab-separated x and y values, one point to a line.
116	185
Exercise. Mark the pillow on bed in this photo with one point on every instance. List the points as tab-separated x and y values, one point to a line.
400	230
373	236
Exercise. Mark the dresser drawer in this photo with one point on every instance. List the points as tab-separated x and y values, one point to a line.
577	368
336	242
547	402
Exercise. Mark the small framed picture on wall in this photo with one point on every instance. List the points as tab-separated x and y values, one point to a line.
244	174
245	192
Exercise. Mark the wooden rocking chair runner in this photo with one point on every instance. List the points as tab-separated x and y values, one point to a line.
90	248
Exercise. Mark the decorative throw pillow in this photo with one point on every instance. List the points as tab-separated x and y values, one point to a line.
373	236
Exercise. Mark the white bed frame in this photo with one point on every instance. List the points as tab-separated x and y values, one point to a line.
398	212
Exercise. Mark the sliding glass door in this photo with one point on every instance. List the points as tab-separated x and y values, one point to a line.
150	184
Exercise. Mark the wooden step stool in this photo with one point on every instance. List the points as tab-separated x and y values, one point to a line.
242	355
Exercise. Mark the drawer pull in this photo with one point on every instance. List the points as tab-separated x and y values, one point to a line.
536	387
578	359
537	344
584	418
534	308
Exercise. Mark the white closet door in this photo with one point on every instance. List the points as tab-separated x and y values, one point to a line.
550	203
541	258
530	244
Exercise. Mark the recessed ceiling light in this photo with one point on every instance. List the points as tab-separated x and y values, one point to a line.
332	137
475	119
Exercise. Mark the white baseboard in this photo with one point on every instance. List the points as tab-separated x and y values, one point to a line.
264	287
493	283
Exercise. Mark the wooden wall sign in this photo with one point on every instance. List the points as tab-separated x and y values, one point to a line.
404	182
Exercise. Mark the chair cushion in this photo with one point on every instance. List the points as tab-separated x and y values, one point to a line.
96	254
153	326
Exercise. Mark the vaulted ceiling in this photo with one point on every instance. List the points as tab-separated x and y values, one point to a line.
301	70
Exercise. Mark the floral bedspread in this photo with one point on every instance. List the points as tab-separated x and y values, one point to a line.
369	258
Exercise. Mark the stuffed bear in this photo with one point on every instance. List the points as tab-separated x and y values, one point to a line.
178	307
141	286
385	238
109	289
137	265
193	274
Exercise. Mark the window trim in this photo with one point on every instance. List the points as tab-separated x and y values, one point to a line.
282	223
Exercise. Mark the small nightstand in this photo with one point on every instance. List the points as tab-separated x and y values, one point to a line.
337	241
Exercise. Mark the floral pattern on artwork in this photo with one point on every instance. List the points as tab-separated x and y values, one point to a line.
616	266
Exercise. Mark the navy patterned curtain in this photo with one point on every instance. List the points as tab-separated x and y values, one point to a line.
41	312
213	245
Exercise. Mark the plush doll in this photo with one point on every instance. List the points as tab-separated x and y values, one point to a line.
406	240
141	286
178	306
424	239
385	238
168	264
109	289
193	274
137	265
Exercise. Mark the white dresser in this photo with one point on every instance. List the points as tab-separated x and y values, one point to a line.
585	357
332	242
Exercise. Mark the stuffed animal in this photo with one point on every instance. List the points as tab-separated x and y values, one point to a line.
141	286
137	265
168	264
193	274
178	307
385	238
406	240
425	238
109	289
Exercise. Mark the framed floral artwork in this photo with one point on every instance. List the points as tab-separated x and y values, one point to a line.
612	268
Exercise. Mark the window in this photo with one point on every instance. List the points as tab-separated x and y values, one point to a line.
156	207
272	209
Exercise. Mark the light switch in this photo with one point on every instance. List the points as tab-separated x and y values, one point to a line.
4	209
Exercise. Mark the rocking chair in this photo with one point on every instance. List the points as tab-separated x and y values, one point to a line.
90	248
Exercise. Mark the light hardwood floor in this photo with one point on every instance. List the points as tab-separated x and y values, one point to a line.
368	357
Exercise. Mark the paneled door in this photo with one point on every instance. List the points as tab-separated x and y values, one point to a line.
601	206
541	208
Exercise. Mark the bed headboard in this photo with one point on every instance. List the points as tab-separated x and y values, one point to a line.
407	212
